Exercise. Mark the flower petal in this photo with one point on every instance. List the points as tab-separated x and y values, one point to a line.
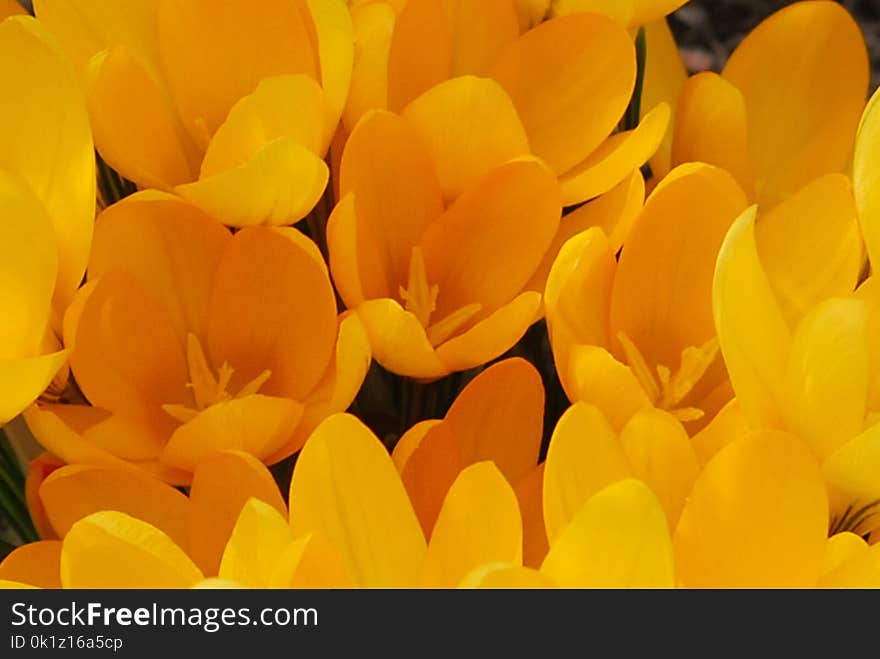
214	507
660	454
618	539
757	517
804	74
74	492
256	424
44	129
170	247
711	126
615	158
122	94
810	245
754	352
504	575
109	549
662	292
272	307
23	380
373	25
630	13
467	536
469	126
584	456
487	246
866	176
554	73
261	190
529	491
345	486
36	563
256	545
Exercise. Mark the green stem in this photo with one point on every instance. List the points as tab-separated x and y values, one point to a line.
9	461
16	513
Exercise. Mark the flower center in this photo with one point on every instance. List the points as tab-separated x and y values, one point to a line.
854	518
207	389
420	299
667	389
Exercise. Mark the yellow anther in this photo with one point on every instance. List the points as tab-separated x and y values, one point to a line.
420	298
443	329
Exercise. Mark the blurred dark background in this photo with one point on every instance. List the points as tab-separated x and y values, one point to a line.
708	30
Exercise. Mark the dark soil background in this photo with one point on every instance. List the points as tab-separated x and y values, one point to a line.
708	30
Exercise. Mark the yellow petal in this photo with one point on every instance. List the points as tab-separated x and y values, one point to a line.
136	129
10	8
335	41
256	545
584	456
467	536
112	550
314	562
554	73
373	26
28	267
215	54
757	517
866	176
660	453
665	75
171	248
345	486
850	563
36	563
596	377
804	74
259	191
493	336
628	12
214	506
469	126
44	129
827	376
615	158
810	245
504	575
851	471
410	441
23	380
272	308
72	493
399	341
614	212
662	292
754	352
618	539
727	426
711	126
486	247
256	424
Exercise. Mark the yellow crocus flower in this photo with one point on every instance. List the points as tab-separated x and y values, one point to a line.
47	186
222	104
630	13
638	332
785	109
188	339
812	374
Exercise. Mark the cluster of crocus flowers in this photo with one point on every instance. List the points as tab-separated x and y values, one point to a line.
312	338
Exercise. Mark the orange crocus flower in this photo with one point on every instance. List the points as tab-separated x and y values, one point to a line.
188	339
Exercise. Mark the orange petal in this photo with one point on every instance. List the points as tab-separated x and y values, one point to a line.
170	247
804	74
122	94
272	307
529	492
662	296
396	195
37	563
562	71
486	247
39	468
214	506
72	493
